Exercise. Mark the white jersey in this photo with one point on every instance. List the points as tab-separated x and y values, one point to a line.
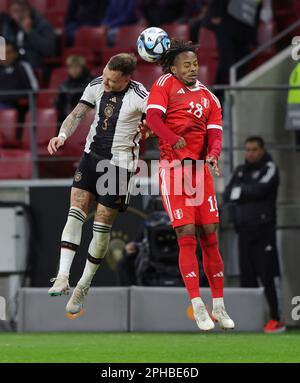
113	134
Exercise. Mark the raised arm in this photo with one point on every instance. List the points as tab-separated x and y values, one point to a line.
72	121
68	127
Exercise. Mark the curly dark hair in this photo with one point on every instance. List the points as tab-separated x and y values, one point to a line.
177	46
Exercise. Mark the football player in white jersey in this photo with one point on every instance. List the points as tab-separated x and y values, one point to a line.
119	104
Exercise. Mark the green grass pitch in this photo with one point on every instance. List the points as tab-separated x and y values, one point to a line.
150	347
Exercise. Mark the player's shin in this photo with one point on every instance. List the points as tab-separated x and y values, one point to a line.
213	266
188	264
70	239
96	252
214	270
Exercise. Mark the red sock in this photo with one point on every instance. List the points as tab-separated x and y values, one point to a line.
188	264
213	264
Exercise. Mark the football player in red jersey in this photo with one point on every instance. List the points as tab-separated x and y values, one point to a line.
187	118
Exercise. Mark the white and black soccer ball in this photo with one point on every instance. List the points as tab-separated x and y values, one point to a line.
152	44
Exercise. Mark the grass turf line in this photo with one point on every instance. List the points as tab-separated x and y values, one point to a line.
150	347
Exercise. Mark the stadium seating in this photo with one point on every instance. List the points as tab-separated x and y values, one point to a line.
8	127
127	35
58	76
205	75
75	144
207	43
46	128
208	55
147	74
85	52
108	52
15	164
179	31
266	31
55	13
46	99
93	38
4	5
97	71
40	5
68	156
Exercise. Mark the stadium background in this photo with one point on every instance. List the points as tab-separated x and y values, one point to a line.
34	188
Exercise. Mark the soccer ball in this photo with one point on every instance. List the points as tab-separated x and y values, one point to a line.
152	44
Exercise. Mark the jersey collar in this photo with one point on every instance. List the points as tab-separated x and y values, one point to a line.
197	87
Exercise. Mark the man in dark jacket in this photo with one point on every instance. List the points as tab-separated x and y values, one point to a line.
28	29
252	193
16	75
82	13
235	23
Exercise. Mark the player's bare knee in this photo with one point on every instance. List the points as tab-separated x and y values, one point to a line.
81	199
182	231
207	229
105	215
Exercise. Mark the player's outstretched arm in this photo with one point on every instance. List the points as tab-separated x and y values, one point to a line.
68	127
211	160
156	124
143	128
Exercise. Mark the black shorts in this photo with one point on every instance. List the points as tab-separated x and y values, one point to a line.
110	184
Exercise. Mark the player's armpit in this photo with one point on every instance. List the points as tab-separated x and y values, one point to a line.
72	121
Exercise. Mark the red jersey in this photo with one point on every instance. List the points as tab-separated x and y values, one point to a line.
188	112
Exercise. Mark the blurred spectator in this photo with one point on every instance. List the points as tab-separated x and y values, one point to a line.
126	266
196	16
32	34
15	75
71	90
235	23
252	193
157	12
83	13
118	13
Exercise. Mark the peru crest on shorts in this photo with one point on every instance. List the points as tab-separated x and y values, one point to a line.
178	213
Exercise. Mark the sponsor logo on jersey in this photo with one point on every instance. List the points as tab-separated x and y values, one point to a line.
178	213
181	91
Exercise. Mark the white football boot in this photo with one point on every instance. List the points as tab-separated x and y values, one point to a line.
75	304
60	286
201	315
220	315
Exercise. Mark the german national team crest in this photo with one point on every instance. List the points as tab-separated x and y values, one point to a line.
178	213
108	111
78	176
205	102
